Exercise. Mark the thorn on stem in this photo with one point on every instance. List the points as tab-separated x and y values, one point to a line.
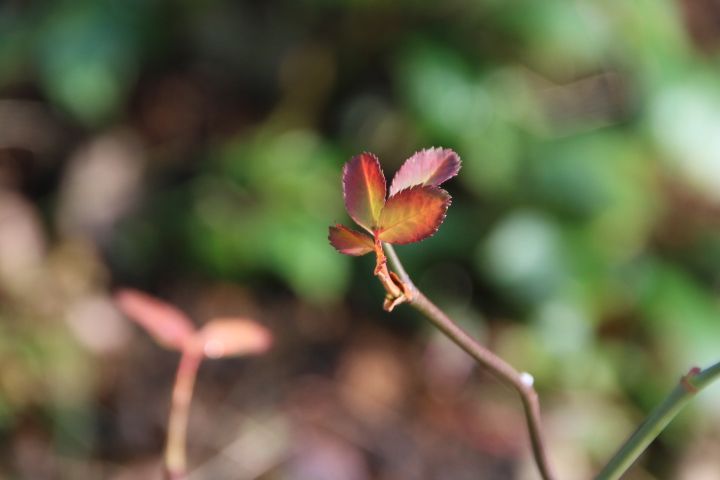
685	380
527	379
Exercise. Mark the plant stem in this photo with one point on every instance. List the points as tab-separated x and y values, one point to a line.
175	456
657	420
499	367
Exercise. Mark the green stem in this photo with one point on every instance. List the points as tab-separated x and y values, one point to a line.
522	383
658	419
175	456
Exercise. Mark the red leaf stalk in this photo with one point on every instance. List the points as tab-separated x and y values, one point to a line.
175	456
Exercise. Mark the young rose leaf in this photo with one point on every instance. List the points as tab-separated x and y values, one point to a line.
413	214
432	166
364	189
168	326
350	242
229	337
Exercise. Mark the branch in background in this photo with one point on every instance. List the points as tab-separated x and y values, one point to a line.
171	328
658	419
521	382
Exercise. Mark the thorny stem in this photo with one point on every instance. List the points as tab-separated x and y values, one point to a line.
175	457
500	368
658	419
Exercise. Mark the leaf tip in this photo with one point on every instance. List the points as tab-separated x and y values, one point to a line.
230	337
167	324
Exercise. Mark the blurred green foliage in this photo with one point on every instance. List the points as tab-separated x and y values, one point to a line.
585	218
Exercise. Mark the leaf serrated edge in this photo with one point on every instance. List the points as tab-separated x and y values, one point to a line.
447	204
344	185
413	157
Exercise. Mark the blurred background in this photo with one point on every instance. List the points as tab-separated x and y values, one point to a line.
194	150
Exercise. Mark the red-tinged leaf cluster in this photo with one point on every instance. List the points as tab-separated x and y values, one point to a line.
171	328
414	210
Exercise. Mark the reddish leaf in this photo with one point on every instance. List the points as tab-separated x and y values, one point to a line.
413	214
170	327
350	242
364	189
432	166
228	337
